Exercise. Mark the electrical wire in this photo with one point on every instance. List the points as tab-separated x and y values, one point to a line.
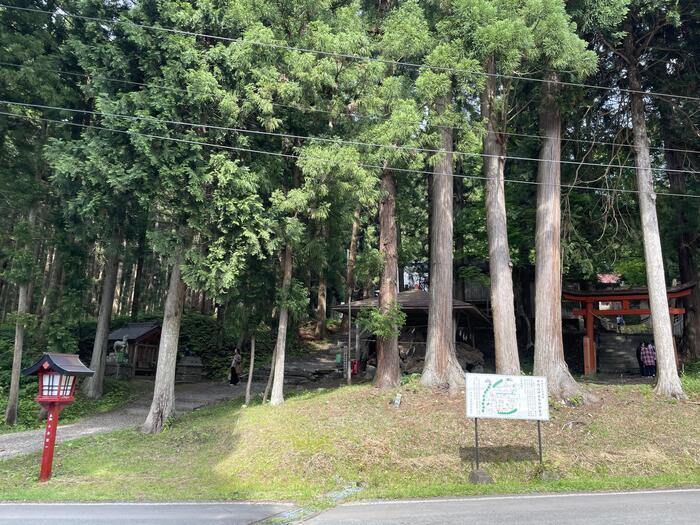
306	109
350	56
337	141
364	165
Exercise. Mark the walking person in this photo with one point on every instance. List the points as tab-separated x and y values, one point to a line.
648	355
236	368
651	348
620	323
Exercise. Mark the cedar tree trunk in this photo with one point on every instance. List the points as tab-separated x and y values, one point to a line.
93	386
388	374
500	265
668	383
277	395
251	366
163	403
549	344
441	368
22	309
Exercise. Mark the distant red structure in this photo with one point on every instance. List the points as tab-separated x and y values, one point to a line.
624	297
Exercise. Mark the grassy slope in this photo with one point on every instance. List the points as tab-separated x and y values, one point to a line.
322	441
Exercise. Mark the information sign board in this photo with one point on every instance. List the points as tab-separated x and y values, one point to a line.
507	397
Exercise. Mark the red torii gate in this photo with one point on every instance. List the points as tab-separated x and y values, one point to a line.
588	299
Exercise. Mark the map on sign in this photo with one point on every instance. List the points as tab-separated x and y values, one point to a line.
507	397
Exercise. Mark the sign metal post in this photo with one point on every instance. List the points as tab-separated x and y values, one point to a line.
493	396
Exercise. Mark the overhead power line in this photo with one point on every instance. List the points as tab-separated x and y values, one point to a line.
331	161
353	114
332	140
350	56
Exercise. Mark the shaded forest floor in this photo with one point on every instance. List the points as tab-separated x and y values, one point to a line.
326	440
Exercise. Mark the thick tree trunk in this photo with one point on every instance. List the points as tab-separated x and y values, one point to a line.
251	366
93	386
500	265
163	403
549	343
441	368
350	271
277	395
388	374
668	383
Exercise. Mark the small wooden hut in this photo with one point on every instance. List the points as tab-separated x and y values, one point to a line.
140	356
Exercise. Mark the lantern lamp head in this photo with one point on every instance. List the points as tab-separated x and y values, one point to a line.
57	373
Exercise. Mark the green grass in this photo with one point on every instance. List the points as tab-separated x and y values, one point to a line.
117	394
323	441
691	379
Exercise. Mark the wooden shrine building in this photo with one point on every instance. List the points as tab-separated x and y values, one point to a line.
140	355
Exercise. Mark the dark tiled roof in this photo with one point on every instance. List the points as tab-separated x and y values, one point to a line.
65	363
413	300
133	331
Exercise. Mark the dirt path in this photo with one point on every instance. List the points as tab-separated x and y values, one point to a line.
188	396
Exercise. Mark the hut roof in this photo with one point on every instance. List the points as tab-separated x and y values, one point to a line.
412	300
69	364
134	331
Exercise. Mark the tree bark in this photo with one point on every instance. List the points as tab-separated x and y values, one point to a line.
251	366
22	309
350	271
53	289
549	343
668	383
270	376
441	368
388	374
277	395
321	307
500	265
163	403
93	386
23	303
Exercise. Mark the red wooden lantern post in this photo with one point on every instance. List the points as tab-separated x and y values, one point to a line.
56	373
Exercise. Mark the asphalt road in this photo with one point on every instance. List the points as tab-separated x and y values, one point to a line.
138	513
679	507
638	508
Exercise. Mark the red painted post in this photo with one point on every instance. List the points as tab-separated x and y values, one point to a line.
589	350
49	441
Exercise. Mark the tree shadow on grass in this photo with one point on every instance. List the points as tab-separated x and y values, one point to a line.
499	454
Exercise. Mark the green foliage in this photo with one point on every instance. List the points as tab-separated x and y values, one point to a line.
633	271
383	325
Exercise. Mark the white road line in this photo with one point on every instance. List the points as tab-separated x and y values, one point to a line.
143	503
515	497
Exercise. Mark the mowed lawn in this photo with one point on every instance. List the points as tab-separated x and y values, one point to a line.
327	440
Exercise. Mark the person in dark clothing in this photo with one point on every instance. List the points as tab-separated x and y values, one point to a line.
233	378
648	355
639	358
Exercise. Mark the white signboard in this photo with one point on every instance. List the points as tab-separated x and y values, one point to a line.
507	397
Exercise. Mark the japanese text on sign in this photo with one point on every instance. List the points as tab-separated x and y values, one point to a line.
507	397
